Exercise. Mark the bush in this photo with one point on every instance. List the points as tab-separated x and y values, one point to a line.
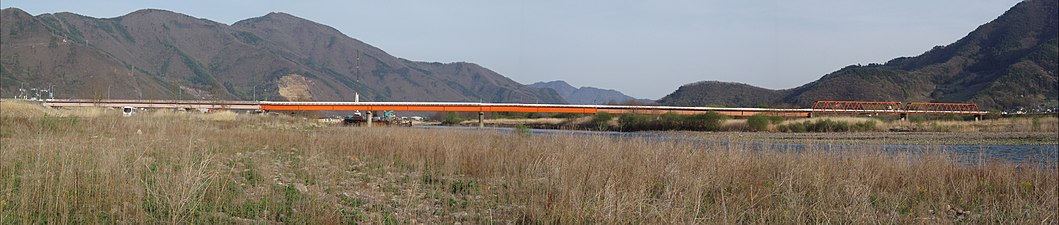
600	120
758	122
710	121
793	127
827	125
864	126
451	119
776	119
632	122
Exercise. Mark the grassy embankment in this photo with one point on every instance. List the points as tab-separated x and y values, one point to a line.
169	167
832	123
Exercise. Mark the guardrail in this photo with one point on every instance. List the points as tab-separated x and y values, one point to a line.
837	107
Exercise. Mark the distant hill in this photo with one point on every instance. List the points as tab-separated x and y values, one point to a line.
156	54
716	93
586	95
1006	63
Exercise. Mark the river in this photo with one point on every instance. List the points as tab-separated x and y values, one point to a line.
967	154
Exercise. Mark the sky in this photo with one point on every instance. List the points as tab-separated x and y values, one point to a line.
646	49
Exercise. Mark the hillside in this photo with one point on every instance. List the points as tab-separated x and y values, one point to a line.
157	54
585	95
716	93
1006	63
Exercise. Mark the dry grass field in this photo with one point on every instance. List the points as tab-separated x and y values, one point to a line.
59	166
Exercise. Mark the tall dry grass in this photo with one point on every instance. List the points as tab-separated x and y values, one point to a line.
1016	124
173	168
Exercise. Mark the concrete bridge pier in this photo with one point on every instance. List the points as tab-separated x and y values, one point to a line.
369	118
481	119
904	116
977	117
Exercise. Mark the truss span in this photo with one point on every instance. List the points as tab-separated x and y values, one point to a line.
867	107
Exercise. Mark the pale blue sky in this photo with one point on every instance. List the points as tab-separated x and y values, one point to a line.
646	49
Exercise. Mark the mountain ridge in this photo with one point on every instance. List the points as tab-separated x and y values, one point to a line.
585	94
1006	63
152	53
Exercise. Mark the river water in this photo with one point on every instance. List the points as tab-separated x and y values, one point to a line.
968	154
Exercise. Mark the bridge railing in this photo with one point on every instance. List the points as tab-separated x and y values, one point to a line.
855	106
925	107
865	107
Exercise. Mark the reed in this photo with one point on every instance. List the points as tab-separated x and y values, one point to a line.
182	168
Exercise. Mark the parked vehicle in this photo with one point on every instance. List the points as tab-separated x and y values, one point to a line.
354	119
127	111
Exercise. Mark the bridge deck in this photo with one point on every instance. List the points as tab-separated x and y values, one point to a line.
481	107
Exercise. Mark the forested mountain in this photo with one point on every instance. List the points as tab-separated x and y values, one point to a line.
1006	63
157	54
717	93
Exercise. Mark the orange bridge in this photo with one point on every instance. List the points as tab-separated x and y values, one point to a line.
821	107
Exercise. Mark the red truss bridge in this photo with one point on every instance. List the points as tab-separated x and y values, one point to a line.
862	107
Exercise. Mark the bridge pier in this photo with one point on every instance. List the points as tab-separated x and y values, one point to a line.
481	119
904	116
977	117
810	115
369	118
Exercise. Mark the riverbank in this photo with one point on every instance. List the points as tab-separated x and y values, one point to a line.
823	124
164	167
918	138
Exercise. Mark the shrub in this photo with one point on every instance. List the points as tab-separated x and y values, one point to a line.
864	126
918	119
758	122
632	122
776	119
600	120
710	121
827	125
452	118
796	127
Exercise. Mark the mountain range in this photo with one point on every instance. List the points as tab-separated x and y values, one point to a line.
586	95
157	54
1006	63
